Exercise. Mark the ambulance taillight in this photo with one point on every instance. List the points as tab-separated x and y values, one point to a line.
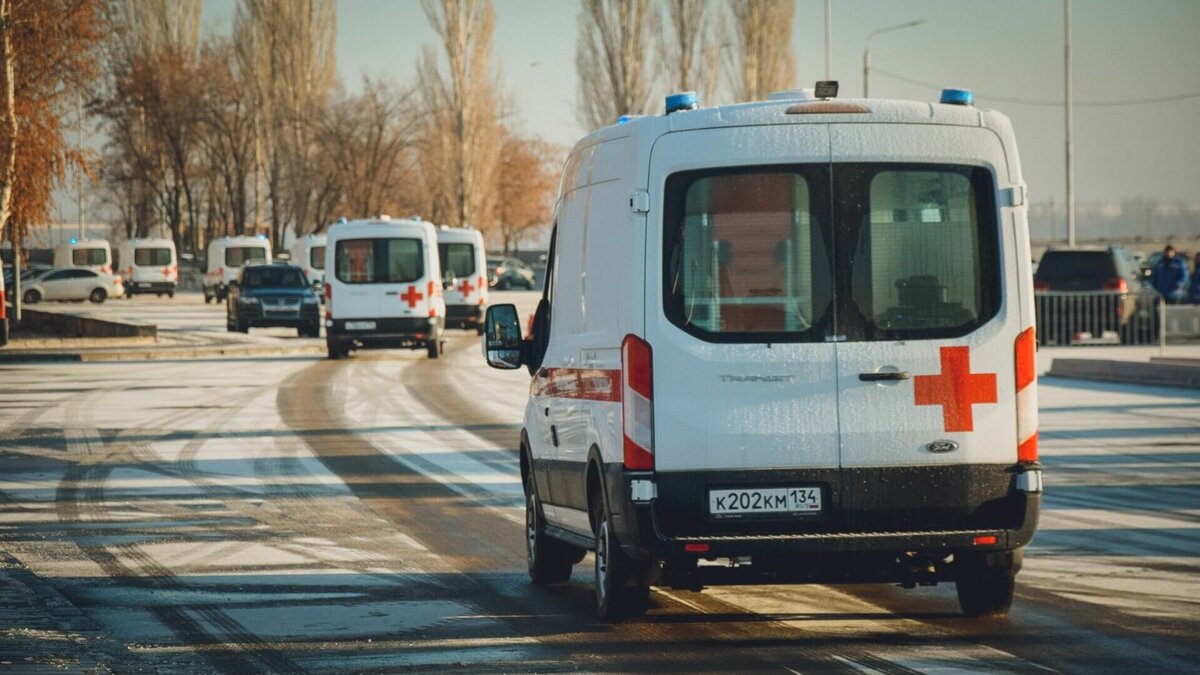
637	403
1027	412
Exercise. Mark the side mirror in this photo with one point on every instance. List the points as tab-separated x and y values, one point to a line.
502	337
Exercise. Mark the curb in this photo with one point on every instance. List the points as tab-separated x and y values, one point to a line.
162	354
1170	374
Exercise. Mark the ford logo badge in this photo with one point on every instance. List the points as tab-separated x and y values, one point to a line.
942	446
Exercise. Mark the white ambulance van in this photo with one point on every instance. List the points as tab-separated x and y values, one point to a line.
308	253
383	287
92	254
464	269
792	336
148	265
225	259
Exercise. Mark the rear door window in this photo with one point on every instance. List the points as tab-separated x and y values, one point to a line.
745	255
237	256
917	250
316	257
457	258
151	256
89	256
379	261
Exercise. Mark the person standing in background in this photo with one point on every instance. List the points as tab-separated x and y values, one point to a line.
1170	277
1194	287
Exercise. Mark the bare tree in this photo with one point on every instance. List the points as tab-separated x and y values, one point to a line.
691	51
461	142
288	45
611	59
761	59
525	184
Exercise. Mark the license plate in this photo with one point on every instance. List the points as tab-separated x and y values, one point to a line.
142	285
758	501
360	325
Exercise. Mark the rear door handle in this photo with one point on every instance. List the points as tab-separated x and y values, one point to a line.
883	377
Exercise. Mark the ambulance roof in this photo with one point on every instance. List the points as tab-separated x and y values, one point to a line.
150	241
367	227
800	109
467	235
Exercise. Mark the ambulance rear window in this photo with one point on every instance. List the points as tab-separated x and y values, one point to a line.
89	256
236	256
745	254
316	258
379	261
817	252
151	256
457	258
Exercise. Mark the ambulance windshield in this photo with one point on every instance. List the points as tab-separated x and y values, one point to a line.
812	253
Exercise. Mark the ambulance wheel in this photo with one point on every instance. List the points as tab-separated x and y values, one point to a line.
97	295
984	590
170	294
336	350
620	591
434	348
549	560
207	298
479	328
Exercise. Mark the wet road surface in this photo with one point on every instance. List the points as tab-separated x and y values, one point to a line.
298	514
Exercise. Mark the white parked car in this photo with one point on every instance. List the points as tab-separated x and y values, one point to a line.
72	283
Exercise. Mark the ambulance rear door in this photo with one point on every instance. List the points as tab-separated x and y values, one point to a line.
927	321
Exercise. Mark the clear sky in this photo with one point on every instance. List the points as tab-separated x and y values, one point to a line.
1122	49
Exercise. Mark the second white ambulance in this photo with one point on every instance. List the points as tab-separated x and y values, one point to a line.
383	286
226	256
148	265
464	268
793	336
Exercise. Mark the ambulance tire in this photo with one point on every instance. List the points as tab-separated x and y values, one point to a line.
983	590
170	294
336	350
434	348
207	298
620	592
549	560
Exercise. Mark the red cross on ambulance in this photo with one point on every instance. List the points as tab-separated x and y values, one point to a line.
412	296
956	389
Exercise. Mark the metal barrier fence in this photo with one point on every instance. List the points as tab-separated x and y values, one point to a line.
1100	317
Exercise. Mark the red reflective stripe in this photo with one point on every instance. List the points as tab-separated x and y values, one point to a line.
588	384
1026	359
3	310
1027	451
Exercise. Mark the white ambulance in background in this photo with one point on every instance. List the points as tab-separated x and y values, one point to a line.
464	269
226	256
92	254
148	265
383	286
795	336
308	253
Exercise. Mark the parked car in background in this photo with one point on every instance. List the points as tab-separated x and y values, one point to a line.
71	283
273	294
1089	290
506	273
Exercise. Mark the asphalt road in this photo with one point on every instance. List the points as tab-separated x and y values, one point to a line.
299	514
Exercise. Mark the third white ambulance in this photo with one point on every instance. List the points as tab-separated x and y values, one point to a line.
464	267
383	286
794	336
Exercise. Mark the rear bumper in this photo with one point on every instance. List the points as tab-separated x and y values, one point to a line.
307	316
464	316
884	513
388	333
134	287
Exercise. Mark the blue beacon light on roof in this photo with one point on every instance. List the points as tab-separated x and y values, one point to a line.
682	101
957	96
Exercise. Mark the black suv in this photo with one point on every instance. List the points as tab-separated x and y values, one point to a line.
1090	290
275	294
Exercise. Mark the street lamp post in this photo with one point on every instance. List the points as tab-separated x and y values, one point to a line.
867	51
